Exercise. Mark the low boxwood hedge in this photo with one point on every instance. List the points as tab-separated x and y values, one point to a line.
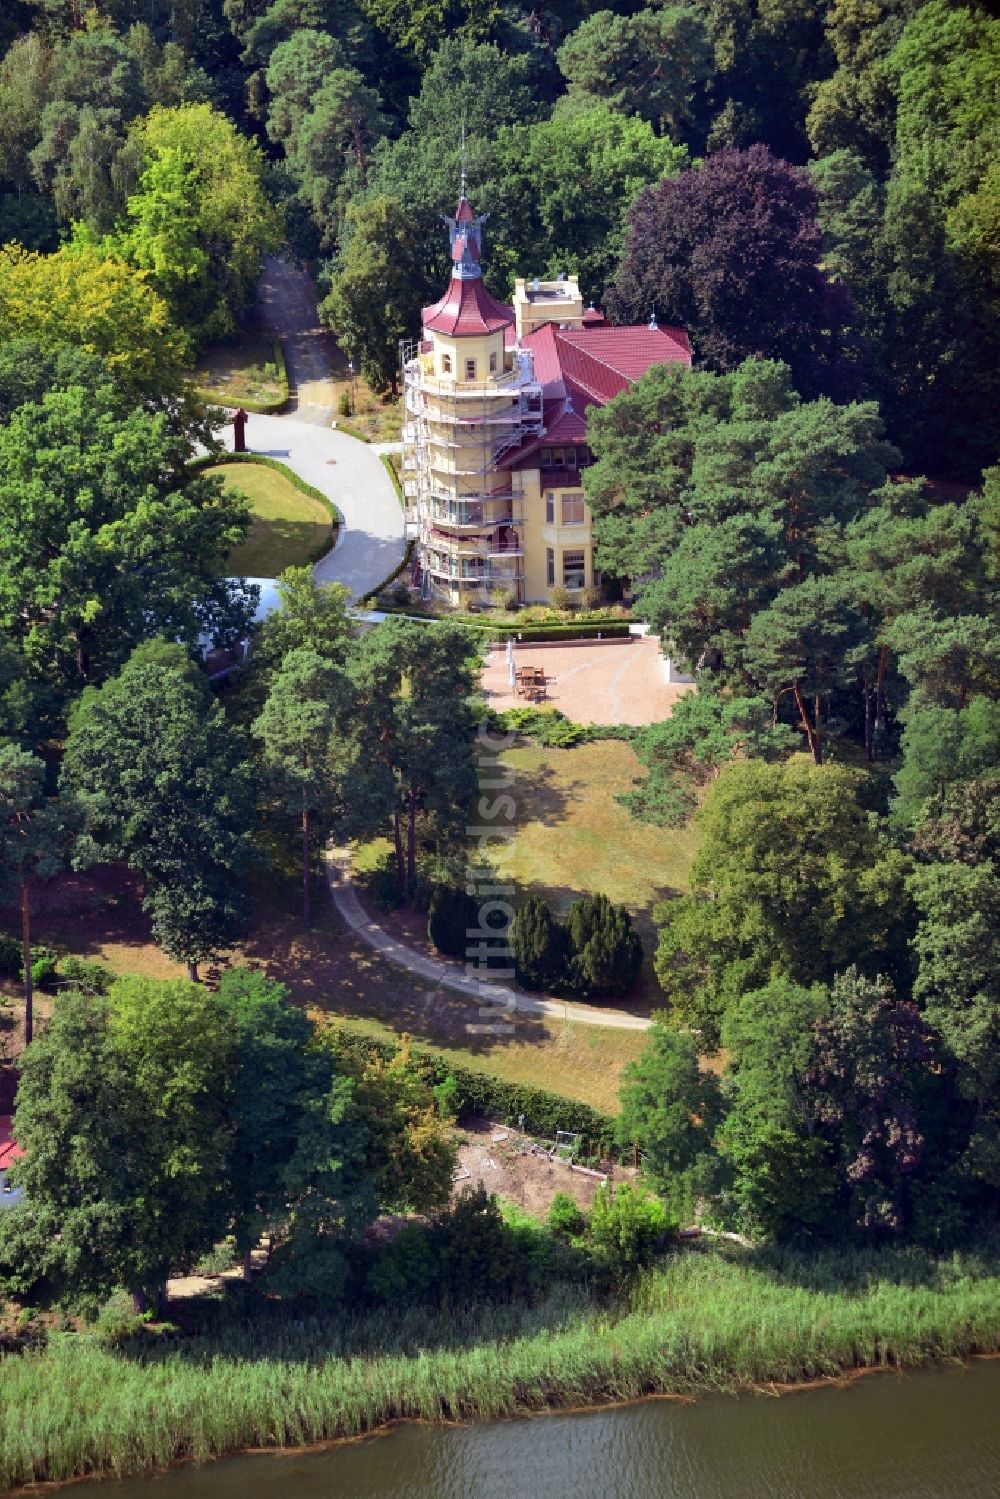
479	1093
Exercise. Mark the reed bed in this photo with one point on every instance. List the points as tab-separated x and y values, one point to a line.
717	1320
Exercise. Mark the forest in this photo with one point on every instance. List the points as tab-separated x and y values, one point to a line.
811	182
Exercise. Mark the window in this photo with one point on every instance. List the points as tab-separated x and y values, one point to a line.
493	364
571	457
446	364
470	369
550	566
572	509
550	507
546	458
574	569
558	458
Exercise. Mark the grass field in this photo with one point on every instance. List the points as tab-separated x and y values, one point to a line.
705	1320
334	975
244	371
572	837
288	528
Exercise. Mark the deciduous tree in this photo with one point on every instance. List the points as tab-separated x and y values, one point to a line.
165	787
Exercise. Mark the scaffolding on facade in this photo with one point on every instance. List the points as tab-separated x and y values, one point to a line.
470	538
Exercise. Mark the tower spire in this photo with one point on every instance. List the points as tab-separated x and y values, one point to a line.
462	194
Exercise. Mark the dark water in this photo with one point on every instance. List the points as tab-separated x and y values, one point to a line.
928	1435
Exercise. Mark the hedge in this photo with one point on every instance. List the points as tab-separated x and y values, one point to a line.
209	460
567	630
369	597
386	461
552	729
345	427
482	1094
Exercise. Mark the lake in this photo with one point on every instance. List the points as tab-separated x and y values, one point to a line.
932	1434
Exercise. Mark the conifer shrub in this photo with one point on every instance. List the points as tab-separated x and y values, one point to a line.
606	952
452	913
538	943
10	957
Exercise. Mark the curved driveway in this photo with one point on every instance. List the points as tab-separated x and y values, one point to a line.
371	541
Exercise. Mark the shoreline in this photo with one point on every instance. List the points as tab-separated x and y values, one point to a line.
272	1377
763	1388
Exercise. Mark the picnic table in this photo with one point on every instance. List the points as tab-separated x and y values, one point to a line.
531	682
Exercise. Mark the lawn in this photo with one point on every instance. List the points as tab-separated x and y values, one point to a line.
289	528
573	838
333	974
248	370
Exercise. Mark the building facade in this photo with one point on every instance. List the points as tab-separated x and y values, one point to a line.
495	431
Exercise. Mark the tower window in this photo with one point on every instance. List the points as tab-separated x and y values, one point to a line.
446	364
493	364
550	507
550	566
470	369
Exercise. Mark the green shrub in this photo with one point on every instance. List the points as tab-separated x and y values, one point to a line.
560	598
447	1095
590	598
549	727
10	957
117	1321
566	1216
606	952
43	970
627	1226
539	946
406	1268
344	407
509	601
219	1258
475	1247
452	913
384	886
86	974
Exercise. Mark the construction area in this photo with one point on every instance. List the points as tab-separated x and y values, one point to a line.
524	1170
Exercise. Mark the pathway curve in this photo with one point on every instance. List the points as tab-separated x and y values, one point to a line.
372	538
494	997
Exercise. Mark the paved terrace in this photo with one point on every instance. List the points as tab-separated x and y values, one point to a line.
614	682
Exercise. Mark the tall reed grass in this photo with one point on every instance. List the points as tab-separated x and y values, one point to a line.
708	1320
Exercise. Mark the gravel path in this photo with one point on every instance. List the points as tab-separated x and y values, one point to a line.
495	999
286	297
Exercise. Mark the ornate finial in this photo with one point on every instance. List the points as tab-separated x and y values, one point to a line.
652	321
463	151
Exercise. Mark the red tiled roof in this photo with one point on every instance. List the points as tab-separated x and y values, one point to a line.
10	1151
467	308
582	367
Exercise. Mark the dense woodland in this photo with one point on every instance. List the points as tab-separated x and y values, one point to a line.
809	517
797	180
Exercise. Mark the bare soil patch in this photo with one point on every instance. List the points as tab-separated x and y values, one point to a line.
516	1167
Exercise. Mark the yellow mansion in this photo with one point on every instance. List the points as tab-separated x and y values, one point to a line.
495	436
